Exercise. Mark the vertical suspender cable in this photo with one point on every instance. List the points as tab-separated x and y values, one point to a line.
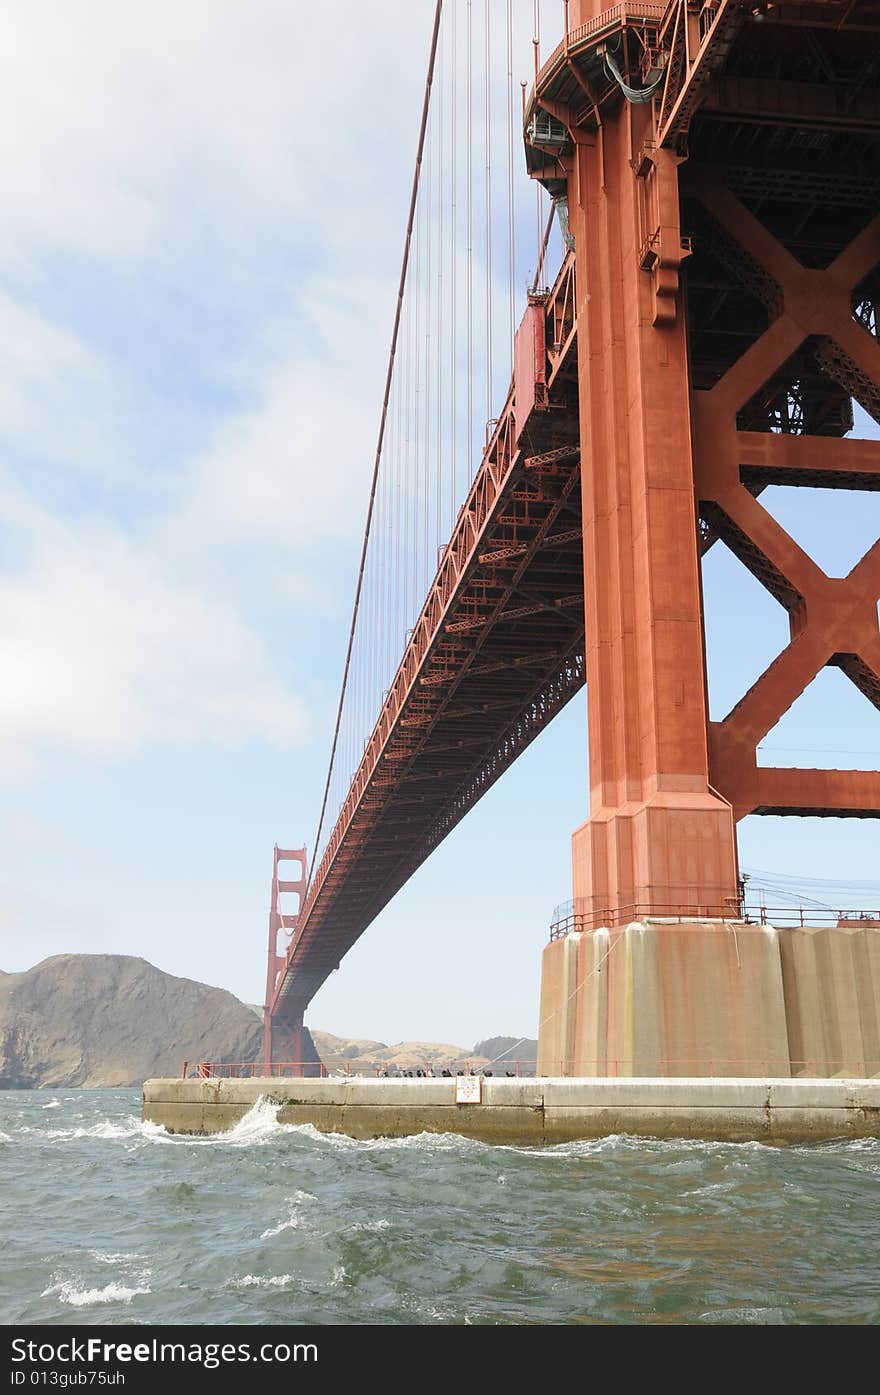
470	245
488	143
417	405
539	187
408	485
438	9
429	383
453	366
395	626
511	231
441	239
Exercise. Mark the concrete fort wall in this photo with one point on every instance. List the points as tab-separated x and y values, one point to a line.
711	998
532	1111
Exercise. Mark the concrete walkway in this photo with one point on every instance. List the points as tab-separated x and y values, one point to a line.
533	1111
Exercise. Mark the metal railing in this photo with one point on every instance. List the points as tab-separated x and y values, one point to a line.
614	17
630	1067
345	1068
567	920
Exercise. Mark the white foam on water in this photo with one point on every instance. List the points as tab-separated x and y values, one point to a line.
127	1127
156	1132
265	1281
259	1125
370	1227
66	1291
750	1316
841	1145
417	1142
53	1104
5	1137
710	1188
579	1149
128	1260
641	1144
338	1275
293	1219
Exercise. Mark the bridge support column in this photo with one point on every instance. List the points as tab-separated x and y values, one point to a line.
288	1043
659	839
676	999
699	998
632	992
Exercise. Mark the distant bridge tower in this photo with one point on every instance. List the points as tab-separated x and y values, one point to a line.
285	1040
725	255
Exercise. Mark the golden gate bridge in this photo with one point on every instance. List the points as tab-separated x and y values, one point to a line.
591	380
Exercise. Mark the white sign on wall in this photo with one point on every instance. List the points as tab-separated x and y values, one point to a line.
468	1089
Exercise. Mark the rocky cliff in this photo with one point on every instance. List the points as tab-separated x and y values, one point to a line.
111	1019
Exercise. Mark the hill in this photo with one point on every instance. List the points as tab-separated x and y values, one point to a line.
115	1020
112	1019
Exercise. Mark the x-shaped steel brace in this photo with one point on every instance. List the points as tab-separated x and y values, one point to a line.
833	620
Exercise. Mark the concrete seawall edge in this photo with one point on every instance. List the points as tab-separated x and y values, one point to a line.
533	1111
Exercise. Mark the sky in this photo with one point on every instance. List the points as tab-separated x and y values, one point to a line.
203	218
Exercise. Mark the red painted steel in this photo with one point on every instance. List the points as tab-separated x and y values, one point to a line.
704	340
282	922
495	653
781	917
717	351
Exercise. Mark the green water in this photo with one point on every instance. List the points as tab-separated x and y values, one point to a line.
107	1220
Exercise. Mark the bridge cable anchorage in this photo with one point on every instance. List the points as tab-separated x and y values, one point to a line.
426	103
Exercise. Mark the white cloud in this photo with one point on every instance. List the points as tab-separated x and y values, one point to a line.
204	212
113	116
197	153
102	653
47	375
296	464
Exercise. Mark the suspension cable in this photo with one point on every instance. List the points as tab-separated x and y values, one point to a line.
388	378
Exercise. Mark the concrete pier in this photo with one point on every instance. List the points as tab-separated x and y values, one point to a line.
712	998
533	1111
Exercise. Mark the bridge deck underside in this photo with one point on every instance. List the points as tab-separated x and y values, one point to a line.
781	180
501	656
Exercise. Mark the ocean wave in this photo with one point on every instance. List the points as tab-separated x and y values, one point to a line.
293	1220
117	1257
580	1148
5	1137
262	1281
751	1316
66	1291
127	1127
53	1104
259	1125
155	1132
652	1148
412	1142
